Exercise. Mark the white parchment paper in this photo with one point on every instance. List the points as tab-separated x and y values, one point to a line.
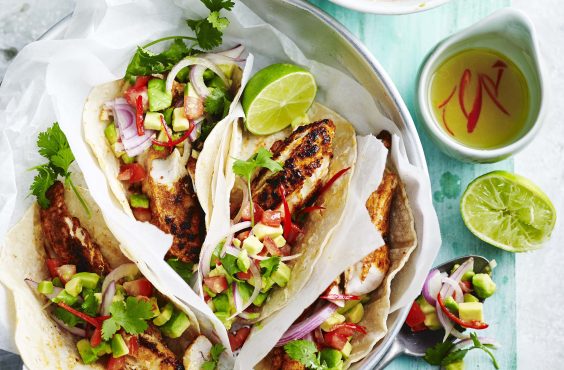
50	80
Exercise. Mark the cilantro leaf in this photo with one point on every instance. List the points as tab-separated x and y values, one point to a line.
442	353
217	5
270	265
303	351
90	304
131	315
145	62
217	21
229	263
209	365
264	159
215	352
184	269
109	328
207	35
215	102
434	355
62	160
44	179
51	141
454	356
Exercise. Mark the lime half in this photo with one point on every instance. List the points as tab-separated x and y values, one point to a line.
275	96
508	211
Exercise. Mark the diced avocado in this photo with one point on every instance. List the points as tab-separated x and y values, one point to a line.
119	347
267	283
168	115
245	291
65	297
182	75
139	201
45	287
127	159
432	321
259	300
243	260
424	305
179	120
159	97
282	275
111	133
224	318
57	282
279	241
236	242
468	275
484	286
88	279
334	319
451	304
221	303
102	349
459	365
153	121
471	311
252	315
261	230
347	349
227	69
330	357
154	307
454	268
348	306
85	351
470	298
73	287
355	314
252	245
98	297
165	315
176	326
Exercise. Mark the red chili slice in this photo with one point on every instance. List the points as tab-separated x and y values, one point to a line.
271	246
332	181
287	214
474	114
310	209
478	325
487	79
172	143
139	116
96	338
464	81
89	319
338	297
446	124
445	102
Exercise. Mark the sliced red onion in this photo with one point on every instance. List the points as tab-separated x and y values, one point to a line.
432	286
222	59
459	335
444	320
33	285
127	269
197	81
257	281
232	251
108	298
197	130
71	329
283	258
198	61
447	289
484	340
237	299
301	329
124	116
234	52
245	201
455	285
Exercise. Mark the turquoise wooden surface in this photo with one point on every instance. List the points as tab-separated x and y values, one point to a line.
400	43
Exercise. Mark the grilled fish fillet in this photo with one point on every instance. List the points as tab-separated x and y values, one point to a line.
174	205
198	353
367	275
306	155
152	354
67	238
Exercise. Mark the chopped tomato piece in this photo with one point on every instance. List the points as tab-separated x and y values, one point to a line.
133	345
217	284
142	214
244	275
419	327
132	172
52	265
466	286
271	218
318	338
335	340
115	363
96	338
138	89
138	287
243	235
286	250
295	231
193	107
66	272
89	319
271	247
415	316
237	339
348	329
141	81
246	214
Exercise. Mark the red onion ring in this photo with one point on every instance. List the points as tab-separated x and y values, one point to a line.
199	61
108	298
299	330
127	269
430	292
455	285
124	116
245	201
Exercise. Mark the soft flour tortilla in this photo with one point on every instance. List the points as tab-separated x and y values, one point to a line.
320	225
41	343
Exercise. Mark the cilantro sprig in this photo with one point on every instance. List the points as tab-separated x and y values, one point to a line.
209	30
145	62
131	315
246	169
442	353
54	146
215	352
305	352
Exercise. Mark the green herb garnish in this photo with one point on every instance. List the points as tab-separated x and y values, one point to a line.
53	145
215	352
145	62
131	315
306	353
184	269
442	354
269	265
246	169
209	30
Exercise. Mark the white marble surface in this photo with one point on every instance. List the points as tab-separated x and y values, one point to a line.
540	297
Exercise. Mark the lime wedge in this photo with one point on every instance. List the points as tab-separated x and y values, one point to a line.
275	96
508	211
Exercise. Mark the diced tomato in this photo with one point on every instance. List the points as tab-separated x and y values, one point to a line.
138	287
415	316
319	339
217	284
139	117
237	339
133	345
115	363
246	214
141	81
244	275
286	250
270	246
243	235
52	265
466	286
419	327
193	107
96	338
66	272
271	218
138	89
132	172
293	234
142	214
348	329
335	340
